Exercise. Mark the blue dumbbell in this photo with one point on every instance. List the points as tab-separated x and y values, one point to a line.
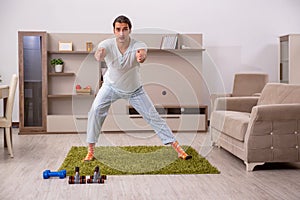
61	174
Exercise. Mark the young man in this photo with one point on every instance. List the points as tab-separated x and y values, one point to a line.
123	56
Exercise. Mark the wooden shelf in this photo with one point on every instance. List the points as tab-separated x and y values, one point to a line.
70	52
162	116
62	74
69	95
60	95
176	50
149	49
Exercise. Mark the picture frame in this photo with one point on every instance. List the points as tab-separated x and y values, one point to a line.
65	46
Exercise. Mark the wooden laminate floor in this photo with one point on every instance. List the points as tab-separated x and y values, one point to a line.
21	177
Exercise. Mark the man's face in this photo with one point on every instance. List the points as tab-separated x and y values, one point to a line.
122	32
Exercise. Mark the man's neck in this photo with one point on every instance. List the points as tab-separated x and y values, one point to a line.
123	46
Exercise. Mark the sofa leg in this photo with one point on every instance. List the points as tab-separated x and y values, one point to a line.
212	138
215	144
250	166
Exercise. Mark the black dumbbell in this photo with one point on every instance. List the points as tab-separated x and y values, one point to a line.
96	178
77	179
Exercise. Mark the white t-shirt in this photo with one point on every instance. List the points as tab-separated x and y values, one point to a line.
122	69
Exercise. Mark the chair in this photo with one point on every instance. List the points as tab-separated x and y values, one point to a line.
244	84
6	120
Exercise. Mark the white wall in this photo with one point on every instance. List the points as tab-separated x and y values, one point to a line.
239	35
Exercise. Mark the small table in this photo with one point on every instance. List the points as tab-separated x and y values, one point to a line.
4	90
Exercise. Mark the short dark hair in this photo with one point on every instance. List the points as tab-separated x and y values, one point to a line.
122	19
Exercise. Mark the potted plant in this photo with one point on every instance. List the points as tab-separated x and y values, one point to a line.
58	64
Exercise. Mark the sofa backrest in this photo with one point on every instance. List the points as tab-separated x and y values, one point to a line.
279	93
248	84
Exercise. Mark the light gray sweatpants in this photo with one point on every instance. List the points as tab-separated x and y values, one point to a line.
140	102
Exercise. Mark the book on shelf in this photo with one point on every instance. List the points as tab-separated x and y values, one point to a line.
169	42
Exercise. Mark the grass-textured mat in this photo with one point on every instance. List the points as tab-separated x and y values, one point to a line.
116	160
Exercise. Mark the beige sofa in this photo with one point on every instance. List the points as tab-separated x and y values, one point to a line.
260	129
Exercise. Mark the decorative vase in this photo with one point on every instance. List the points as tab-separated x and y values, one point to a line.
58	68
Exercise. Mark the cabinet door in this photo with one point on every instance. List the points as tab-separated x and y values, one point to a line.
33	79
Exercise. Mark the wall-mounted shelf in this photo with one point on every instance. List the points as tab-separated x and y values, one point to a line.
69	95
61	74
60	95
69	52
176	50
149	49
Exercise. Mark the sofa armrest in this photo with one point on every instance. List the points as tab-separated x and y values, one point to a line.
272	134
276	112
240	104
213	98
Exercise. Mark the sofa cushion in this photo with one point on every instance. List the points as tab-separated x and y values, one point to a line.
279	93
231	123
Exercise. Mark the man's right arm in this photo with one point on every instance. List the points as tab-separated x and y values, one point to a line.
100	54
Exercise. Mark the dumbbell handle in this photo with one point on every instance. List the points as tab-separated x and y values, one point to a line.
61	174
